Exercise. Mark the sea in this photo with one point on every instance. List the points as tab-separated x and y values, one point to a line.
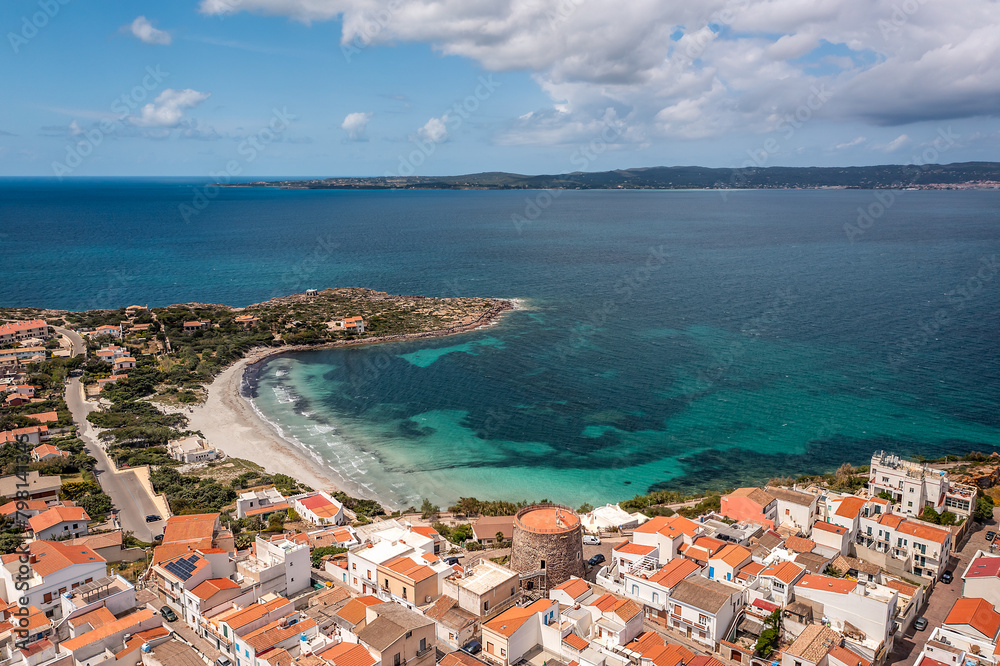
680	340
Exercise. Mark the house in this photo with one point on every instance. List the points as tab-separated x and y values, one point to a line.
971	628
653	591
278	565
485	529
411	579
914	486
341	537
385	545
32	486
631	557
397	635
15	400
350	325
836	539
186	534
863	572
905	546
668	534
342	654
196	325
175	575
703	609
109	545
484	589
796	509
21	510
981	578
751	505
615	622
56	568
23	330
454	626
47	452
508	636
247	320
726	562
31	435
88	648
318	507
123	364
260	503
59	522
44	417
192	450
111	353
811	647
283	633
104	382
133	310
223	628
108	329
864	612
778	579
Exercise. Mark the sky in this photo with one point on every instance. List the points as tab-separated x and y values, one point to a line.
319	88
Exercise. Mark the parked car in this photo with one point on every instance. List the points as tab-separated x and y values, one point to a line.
591	540
990	536
472	647
223	661
168	614
947	577
920	624
451	560
152	518
595	560
157	537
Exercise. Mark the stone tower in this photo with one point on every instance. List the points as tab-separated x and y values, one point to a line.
547	546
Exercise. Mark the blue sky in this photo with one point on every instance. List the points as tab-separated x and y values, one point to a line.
370	87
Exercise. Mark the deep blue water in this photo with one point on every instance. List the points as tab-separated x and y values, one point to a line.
669	339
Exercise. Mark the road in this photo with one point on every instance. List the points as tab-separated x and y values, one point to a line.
126	491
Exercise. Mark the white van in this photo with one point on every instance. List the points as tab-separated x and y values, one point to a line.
591	540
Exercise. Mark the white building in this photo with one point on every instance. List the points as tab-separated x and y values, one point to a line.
907	545
260	503
914	486
610	517
704	609
56	568
278	566
981	579
192	450
668	534
484	589
653	592
318	507
863	612
60	522
796	509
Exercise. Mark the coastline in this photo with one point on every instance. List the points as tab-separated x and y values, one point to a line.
230	422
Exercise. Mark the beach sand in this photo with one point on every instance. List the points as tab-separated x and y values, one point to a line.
229	422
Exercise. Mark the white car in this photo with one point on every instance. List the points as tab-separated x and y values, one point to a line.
591	540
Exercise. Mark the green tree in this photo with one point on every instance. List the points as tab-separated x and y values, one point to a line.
9	542
318	554
276	522
585	508
984	509
770	637
428	509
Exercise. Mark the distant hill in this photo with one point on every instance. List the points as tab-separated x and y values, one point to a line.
968	174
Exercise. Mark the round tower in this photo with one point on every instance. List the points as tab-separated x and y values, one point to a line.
547	546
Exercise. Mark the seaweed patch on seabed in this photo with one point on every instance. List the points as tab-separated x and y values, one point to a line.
24	570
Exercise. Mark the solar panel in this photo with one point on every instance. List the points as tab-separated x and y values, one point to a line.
183	567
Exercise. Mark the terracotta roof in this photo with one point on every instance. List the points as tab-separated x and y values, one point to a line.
321	506
759	497
96	618
576	642
670	655
672	526
10	508
95	541
348	654
846	656
279	657
626	609
786	572
10	435
750	569
850	507
404	566
674	572
814	643
209	588
604	602
981	567
106	631
901	587
922	530
355	610
978	614
646	641
44	417
509	621
628	548
57	515
826	583
426	530
891	520
799	544
271	634
239	617
706	660
136	641
460	658
575	587
793	496
732	554
52	556
829	527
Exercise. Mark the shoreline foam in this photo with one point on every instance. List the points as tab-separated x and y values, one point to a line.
231	421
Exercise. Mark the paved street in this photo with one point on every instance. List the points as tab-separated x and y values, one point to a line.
944	596
126	492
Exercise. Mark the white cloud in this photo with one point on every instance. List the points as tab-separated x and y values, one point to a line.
167	110
890	68
144	30
894	145
434	130
355	123
75	129
850	144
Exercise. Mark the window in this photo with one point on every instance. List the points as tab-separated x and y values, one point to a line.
409	633
542	565
225	631
909	504
88	580
503	652
423	644
635	589
656	597
513	591
703	620
354	565
677	609
396	660
404	593
486	606
489	648
62	590
47	598
451	636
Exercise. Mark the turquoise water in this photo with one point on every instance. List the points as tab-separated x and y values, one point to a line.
665	339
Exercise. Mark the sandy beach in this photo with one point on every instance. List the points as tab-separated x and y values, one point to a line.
229	422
